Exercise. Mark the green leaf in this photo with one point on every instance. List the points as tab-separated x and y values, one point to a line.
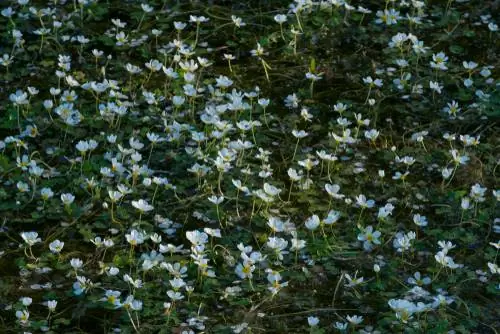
456	49
469	33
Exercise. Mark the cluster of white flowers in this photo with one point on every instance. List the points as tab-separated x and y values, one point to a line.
97	156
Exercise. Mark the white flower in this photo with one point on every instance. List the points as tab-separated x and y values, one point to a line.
332	217
342	326
238	21
297	244
177	283
239	327
445	261
97	241
244	270
271	190
494	268
30	238
404	309
198	19
313	321
239	186
418	280
135	144
82	146
446	246
340	107
292	101
147	265
197	238
468	82
276	224
216	200
308	164
213	232
306	116
371	134
373	83
112	297
114	195
76	263
19	98
388	16
420	220
23	316
352	282
7	12
312	223
402	242
477	193
446	173
441	300
71	81
362	202
259	52
67	198
51	304
469	65
333	190
108	243
280	18
385	211
22	186
496	194
313	77
56	246
46	193
369	237
132	303
142	206
135	237
111	138
277	244
439	61
112	271
465	203
354	319
179	25
299	134
146	8
435	86
26	301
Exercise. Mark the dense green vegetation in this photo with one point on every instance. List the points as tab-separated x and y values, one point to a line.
249	166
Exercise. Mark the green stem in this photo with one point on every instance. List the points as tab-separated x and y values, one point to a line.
295	150
197	34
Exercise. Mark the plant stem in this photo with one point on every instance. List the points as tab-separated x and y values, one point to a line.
295	150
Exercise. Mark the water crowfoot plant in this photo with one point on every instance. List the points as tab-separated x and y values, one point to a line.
280	19
151	183
259	52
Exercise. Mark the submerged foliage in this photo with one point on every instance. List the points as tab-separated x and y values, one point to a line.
247	167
